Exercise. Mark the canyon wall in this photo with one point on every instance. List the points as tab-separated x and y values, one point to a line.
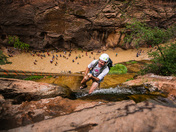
86	24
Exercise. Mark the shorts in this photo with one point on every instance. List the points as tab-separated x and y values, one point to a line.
100	80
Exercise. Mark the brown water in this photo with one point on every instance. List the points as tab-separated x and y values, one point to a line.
73	82
111	88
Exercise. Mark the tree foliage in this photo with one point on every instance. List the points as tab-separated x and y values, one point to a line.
17	43
164	58
140	33
163	66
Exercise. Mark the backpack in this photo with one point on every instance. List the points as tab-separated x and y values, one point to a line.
109	64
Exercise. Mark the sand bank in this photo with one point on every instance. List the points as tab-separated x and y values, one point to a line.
25	61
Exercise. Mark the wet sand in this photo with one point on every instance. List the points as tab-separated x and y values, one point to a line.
25	61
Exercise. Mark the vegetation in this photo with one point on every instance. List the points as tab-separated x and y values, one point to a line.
164	58
129	79
3	59
139	33
33	77
118	69
131	62
163	64
17	43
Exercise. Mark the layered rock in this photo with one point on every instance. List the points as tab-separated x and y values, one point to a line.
79	115
66	24
12	116
155	82
20	90
117	116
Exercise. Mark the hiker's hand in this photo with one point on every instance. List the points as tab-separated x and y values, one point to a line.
86	77
89	75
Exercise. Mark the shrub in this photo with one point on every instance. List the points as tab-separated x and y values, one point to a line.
164	57
141	33
164	64
118	69
3	59
17	43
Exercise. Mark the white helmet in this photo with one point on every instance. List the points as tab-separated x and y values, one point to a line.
104	57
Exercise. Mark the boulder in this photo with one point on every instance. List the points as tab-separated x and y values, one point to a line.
21	90
34	111
114	116
166	84
37	114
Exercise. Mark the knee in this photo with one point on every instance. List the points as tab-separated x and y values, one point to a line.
95	84
93	87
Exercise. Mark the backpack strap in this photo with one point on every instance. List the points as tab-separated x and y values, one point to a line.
101	70
94	65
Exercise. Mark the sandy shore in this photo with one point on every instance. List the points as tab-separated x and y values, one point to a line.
25	61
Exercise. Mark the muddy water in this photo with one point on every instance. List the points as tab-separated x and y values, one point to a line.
73	82
110	89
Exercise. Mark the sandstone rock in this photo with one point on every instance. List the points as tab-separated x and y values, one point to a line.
78	115
110	15
116	39
1	98
164	83
71	24
34	111
117	116
21	90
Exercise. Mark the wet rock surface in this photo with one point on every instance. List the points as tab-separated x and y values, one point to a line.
117	116
154	82
62	114
25	102
20	90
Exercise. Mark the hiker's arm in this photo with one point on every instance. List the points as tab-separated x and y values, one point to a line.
103	74
87	71
94	78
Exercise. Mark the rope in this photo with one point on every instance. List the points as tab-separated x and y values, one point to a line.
30	73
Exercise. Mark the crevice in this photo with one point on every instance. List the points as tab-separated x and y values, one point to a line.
82	17
83	128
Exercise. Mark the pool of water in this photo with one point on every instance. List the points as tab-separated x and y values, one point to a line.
110	89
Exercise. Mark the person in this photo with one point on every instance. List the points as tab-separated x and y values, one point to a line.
95	72
137	55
